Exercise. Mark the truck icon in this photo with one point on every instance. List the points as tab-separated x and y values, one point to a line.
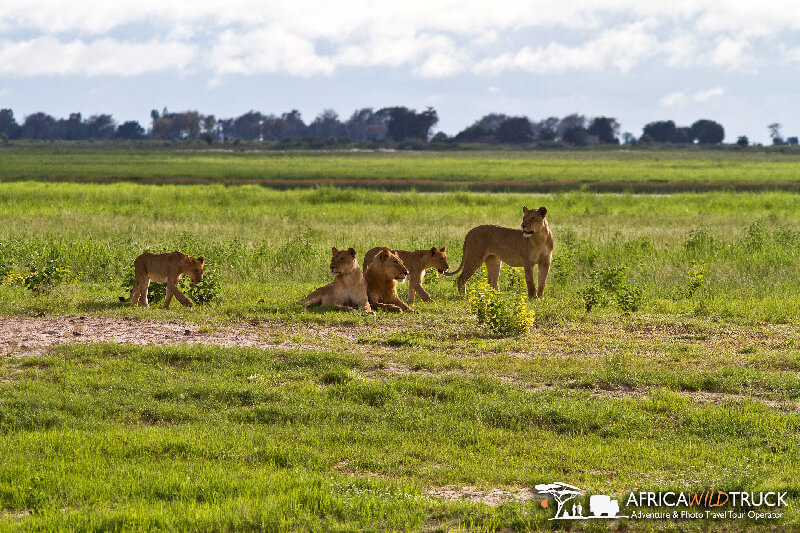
600	505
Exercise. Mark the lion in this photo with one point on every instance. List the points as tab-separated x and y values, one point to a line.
383	274
493	245
417	262
347	291
163	268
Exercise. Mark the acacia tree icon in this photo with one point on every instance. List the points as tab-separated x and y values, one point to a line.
561	492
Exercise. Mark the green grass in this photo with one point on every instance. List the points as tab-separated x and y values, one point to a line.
502	170
356	418
105	436
271	248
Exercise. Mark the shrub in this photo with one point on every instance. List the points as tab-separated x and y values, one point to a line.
501	315
5	268
695	279
609	285
53	273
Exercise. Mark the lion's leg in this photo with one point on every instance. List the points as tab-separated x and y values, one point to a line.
178	295
529	280
395	300
544	269
167	297
315	298
144	287
493	270
470	267
387	307
414	286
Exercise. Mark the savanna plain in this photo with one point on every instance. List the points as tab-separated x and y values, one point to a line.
663	357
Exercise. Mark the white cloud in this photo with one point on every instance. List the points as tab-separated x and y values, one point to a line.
102	57
621	48
432	38
681	98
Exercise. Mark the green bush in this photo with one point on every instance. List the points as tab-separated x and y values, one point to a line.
695	279
610	285
501	315
42	279
5	268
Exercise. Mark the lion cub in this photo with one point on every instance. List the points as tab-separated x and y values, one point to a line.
531	245
383	274
163	268
347	291
417	262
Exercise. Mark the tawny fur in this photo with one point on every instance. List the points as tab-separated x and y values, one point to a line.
347	291
163	268
383	274
417	262
493	245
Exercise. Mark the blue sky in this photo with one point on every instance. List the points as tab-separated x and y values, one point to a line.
734	62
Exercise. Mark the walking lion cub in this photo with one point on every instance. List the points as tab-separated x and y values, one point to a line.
163	268
417	262
494	245
347	291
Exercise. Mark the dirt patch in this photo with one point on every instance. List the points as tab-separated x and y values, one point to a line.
494	496
32	337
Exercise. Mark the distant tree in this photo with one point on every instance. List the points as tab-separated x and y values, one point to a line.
327	125
683	135
628	138
515	130
662	131
365	125
743	140
440	137
547	129
605	128
708	131
775	133
101	127
130	130
570	121
792	141
294	125
404	123
248	126
475	133
74	128
40	126
576	136
8	124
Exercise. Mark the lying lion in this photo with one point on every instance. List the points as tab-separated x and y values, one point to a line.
417	262
493	245
383	274
163	268
347	291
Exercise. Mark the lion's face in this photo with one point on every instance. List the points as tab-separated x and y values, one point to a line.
343	261
440	260
194	269
533	220
393	265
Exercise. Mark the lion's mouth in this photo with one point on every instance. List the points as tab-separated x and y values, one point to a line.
441	270
526	233
400	278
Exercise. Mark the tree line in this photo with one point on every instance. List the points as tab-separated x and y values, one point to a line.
385	125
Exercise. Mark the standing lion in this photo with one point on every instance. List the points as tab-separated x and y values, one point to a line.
494	245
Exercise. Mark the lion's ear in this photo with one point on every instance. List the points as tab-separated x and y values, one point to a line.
334	250
443	249
352	251
384	253
542	211
525	209
201	259
433	251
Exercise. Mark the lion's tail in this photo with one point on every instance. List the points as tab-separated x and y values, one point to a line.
124	300
456	271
